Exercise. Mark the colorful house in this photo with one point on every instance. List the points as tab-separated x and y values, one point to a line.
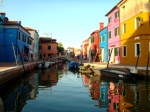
104	45
85	48
47	48
14	40
34	45
95	41
134	31
113	34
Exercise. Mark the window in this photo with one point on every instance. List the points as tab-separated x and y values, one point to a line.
103	38
24	38
49	47
109	34
30	42
124	50
40	47
137	49
124	28
116	51
92	39
109	20
116	31
19	35
137	23
116	14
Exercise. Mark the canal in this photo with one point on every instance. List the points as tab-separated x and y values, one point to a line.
60	90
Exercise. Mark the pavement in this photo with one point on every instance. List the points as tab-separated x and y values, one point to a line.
9	65
4	66
99	65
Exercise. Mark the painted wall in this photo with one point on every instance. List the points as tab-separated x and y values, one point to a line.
114	41
44	50
135	35
34	46
104	44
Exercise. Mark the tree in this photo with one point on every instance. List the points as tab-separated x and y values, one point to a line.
60	47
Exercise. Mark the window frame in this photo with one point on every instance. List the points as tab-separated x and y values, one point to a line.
137	23
109	20
124	51
136	49
49	47
117	14
116	51
124	28
116	31
109	34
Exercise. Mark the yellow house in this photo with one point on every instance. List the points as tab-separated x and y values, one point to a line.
134	31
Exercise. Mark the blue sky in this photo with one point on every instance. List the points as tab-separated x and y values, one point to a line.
69	21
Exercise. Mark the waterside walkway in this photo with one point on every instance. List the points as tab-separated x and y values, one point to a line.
100	65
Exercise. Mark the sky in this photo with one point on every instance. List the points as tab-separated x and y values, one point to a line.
68	21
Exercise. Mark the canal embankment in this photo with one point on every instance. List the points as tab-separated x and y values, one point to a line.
142	70
10	70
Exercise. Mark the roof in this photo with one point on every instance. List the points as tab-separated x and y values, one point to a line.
114	8
15	23
96	31
30	29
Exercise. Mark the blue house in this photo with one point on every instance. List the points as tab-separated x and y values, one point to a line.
14	40
104	44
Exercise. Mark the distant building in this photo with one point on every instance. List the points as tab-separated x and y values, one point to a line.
34	44
47	48
13	33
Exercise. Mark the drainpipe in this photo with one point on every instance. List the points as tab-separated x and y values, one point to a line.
16	43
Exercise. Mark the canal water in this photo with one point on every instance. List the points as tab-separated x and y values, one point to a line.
61	90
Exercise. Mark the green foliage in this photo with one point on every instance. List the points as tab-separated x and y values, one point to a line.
60	44
60	47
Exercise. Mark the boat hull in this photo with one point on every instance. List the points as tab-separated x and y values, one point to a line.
115	74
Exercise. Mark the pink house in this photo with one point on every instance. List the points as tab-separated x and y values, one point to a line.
113	34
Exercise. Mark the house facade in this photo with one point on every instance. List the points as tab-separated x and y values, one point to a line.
14	40
85	48
34	44
104	45
134	31
113	34
47	48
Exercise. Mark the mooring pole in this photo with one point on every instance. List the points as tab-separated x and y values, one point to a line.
21	59
147	65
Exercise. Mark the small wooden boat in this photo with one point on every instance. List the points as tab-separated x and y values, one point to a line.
74	64
85	69
108	72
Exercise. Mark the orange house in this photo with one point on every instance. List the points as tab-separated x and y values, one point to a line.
95	41
47	48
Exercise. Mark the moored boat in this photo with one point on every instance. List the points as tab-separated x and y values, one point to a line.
45	64
74	65
85	69
108	72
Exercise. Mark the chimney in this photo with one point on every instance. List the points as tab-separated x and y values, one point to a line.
101	25
2	17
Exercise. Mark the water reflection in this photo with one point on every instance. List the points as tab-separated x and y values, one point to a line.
103	94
